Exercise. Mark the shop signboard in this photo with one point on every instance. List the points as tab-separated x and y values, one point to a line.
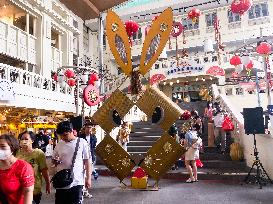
6	90
185	67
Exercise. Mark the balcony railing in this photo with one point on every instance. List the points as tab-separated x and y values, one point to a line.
31	79
56	60
17	43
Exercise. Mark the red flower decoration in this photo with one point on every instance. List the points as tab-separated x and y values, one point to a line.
131	27
240	6
156	78
71	82
235	60
69	73
93	77
216	71
194	14
264	48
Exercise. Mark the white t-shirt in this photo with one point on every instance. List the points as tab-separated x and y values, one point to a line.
65	150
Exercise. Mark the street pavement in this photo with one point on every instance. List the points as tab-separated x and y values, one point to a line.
107	190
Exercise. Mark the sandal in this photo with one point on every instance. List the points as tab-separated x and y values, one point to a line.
189	181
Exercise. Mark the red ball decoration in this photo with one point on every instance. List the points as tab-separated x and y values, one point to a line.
139	173
235	60
71	82
131	27
235	74
264	48
194	14
69	73
240	6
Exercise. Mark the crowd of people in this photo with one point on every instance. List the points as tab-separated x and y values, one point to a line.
23	165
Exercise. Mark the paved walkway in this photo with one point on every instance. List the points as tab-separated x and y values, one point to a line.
106	190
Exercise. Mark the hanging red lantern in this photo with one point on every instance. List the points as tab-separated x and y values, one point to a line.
235	60
194	14
131	28
177	29
71	82
240	6
69	73
55	77
264	48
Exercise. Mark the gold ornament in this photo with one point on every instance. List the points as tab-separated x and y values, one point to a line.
114	27
126	162
109	148
148	160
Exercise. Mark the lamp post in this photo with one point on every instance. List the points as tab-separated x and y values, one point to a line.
80	76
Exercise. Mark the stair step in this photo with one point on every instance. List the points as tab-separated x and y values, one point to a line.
141	143
182	174
144	138
136	134
131	149
214	156
219	164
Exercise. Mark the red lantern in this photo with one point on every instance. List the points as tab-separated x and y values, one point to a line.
69	73
194	14
235	60
177	29
71	82
55	77
250	65
240	6
264	48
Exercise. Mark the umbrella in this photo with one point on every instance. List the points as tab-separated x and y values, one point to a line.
156	78
216	71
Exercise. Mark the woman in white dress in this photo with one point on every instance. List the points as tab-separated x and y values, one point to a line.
192	143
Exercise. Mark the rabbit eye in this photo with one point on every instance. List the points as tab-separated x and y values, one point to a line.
158	114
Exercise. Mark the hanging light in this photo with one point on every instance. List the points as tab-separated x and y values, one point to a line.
208	45
177	81
203	79
171	83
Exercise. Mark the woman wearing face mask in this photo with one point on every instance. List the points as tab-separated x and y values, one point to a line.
16	176
36	158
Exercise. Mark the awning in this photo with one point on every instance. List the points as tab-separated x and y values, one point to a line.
90	9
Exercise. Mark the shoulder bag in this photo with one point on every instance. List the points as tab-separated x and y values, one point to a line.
65	177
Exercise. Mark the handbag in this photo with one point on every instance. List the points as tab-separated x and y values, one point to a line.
227	125
65	177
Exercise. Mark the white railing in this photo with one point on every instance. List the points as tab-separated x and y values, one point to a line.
56	59
31	79
17	43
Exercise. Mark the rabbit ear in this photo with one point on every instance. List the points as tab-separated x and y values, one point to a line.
156	40
118	41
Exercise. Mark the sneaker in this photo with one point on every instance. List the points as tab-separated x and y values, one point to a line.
189	181
86	194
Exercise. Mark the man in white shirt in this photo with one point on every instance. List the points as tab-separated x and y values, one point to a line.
62	157
220	135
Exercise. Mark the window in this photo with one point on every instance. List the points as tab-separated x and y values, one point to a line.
85	39
258	10
104	40
210	19
137	35
189	25
233	17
